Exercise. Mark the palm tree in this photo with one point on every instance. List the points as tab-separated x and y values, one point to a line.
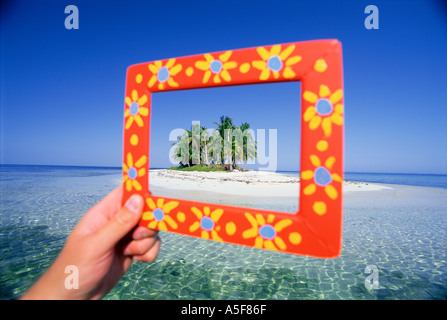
182	152
204	140
215	147
244	146
248	143
250	151
195	143
198	146
225	127
237	146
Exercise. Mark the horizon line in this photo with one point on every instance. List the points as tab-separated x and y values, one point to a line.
157	168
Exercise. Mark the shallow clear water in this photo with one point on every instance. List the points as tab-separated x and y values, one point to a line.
403	232
420	180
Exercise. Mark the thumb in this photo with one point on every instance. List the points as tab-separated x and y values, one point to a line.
123	222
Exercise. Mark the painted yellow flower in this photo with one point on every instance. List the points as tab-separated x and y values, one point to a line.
133	171
265	232
322	177
158	215
275	61
134	109
164	74
218	67
326	109
207	221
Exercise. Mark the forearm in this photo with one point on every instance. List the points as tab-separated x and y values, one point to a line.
51	285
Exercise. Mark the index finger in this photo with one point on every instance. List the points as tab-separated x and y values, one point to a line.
141	232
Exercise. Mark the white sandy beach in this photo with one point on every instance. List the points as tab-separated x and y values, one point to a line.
249	183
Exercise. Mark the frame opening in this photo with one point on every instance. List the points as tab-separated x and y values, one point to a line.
264	128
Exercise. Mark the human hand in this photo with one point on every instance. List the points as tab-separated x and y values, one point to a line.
101	247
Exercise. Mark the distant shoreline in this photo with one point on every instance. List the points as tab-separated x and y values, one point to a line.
247	183
427	180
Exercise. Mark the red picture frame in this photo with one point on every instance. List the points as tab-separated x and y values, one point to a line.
316	228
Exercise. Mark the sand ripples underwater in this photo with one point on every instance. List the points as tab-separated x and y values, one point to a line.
399	231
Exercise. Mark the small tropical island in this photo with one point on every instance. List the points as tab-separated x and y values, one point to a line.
212	160
226	148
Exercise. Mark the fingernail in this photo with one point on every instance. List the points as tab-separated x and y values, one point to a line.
134	204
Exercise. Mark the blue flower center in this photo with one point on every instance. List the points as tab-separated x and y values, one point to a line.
163	74
267	232
216	66
132	173
324	107
134	108
158	214
274	63
322	176
207	224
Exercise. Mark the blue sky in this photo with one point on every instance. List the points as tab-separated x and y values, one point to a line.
62	91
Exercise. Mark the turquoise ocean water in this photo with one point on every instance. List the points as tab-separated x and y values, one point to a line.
402	232
420	180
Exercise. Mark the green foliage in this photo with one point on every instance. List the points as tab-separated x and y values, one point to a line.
226	148
199	167
206	168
